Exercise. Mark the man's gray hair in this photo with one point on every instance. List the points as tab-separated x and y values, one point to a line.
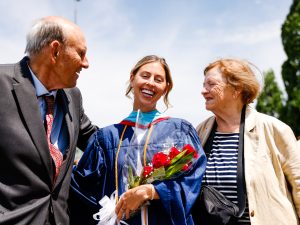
42	33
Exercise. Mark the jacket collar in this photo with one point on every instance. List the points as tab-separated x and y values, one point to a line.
250	119
249	123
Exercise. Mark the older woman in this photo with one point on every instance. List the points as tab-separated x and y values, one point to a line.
271	154
102	170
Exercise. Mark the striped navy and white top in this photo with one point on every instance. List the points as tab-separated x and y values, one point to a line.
221	169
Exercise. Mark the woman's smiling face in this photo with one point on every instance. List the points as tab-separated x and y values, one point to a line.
148	85
217	93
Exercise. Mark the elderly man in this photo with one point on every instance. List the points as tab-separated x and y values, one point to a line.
42	122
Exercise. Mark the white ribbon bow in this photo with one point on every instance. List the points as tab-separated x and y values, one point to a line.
107	215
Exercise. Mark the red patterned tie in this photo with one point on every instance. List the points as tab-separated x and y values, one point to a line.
54	151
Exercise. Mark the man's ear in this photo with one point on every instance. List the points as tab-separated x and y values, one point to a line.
55	47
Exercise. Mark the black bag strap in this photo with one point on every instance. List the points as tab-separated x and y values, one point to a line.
208	145
241	189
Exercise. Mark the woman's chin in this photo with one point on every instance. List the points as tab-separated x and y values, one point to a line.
145	108
209	107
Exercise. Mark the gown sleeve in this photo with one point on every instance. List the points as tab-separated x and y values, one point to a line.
178	195
87	182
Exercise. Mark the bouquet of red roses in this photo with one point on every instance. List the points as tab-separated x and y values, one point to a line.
164	165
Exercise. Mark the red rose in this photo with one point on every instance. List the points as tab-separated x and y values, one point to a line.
185	167
160	159
147	171
173	152
189	149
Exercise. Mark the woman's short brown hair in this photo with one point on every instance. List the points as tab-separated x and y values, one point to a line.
151	59
239	75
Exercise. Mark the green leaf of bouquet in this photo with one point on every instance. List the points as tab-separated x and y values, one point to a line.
133	181
158	173
177	166
130	177
177	157
136	182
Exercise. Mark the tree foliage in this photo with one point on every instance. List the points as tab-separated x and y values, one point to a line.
290	34
270	100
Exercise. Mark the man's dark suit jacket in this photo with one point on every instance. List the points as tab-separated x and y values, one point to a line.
27	193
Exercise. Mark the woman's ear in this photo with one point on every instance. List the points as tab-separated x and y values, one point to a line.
131	79
166	89
236	93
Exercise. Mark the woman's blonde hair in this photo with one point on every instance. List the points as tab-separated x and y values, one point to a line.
151	59
239	75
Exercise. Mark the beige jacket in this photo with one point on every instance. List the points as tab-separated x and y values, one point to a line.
272	168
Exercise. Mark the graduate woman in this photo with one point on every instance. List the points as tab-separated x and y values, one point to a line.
147	138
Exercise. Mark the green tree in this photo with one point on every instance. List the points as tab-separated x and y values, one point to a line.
290	34
270	100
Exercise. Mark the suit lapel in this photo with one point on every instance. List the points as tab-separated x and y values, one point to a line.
68	117
64	101
29	110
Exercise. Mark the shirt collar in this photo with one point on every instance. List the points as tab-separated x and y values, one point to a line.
40	89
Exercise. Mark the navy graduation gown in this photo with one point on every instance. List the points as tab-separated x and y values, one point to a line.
94	176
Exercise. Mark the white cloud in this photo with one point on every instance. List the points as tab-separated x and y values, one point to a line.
253	35
245	35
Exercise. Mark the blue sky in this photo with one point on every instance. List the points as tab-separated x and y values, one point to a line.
189	34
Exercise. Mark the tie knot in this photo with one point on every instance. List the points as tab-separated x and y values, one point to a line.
50	103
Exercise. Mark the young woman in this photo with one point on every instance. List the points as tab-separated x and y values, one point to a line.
102	168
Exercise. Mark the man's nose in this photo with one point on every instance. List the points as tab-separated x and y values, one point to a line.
85	63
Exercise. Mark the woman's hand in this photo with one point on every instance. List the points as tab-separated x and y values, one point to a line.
132	199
